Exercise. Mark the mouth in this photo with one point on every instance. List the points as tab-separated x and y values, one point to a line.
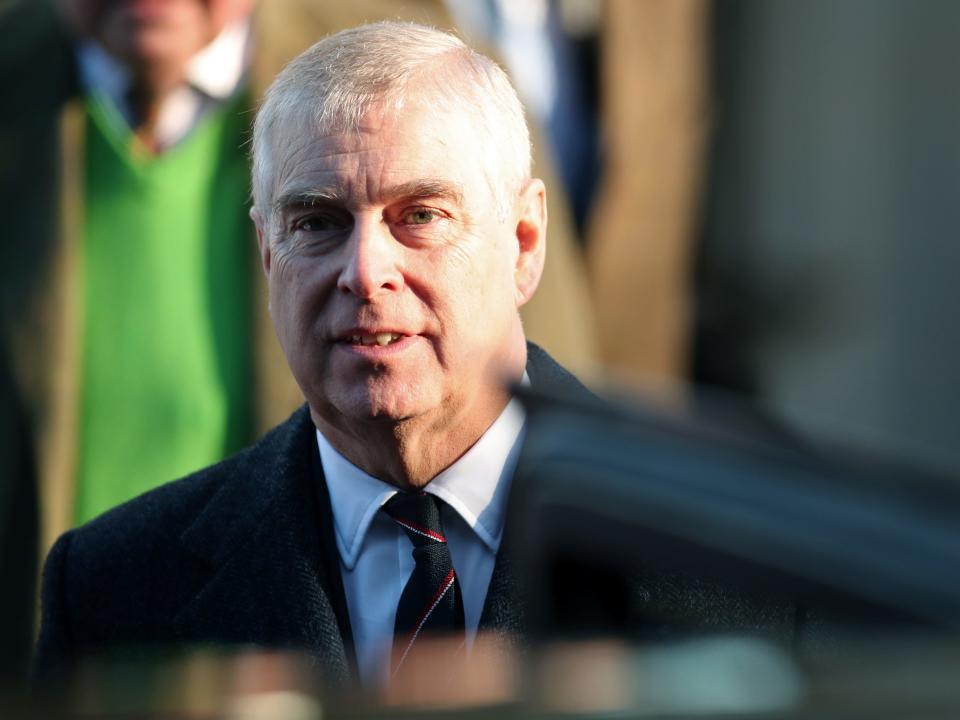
382	339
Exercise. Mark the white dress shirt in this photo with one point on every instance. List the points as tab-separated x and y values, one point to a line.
212	76
376	557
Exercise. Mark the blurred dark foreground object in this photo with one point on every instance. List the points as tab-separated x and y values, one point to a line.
714	676
671	566
623	517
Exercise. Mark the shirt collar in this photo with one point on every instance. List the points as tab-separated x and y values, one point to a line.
215	71
218	69
475	486
355	498
100	72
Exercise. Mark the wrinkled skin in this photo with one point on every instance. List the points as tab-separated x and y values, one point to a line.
395	229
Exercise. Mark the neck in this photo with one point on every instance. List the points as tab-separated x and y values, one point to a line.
410	453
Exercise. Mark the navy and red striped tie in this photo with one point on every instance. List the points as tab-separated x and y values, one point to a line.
431	603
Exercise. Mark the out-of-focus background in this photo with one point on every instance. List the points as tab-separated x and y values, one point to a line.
759	196
775	209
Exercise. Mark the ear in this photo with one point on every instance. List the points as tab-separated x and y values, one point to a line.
531	233
263	240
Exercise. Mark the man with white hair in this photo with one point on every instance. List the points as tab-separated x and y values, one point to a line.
132	308
400	232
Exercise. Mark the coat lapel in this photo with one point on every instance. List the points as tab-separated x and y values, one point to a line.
504	607
267	536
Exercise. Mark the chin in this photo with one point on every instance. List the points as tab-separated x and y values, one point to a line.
394	410
150	46
382	405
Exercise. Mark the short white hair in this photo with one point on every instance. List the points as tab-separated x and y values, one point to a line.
331	87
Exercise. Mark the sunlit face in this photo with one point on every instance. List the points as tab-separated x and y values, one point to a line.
142	32
394	282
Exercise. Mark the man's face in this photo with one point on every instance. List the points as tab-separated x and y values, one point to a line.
142	32
394	282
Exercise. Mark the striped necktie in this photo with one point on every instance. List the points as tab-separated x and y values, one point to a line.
431	603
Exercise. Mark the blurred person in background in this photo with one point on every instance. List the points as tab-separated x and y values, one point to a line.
133	305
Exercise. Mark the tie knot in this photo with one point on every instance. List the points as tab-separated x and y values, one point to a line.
418	514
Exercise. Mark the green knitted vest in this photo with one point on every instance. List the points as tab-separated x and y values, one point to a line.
166	371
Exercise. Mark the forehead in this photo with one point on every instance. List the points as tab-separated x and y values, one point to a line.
364	165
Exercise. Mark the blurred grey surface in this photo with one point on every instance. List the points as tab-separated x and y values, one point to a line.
830	243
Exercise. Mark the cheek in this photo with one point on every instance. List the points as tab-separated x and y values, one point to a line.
289	298
480	258
478	292
302	291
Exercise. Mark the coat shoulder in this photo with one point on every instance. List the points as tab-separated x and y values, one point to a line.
127	572
173	506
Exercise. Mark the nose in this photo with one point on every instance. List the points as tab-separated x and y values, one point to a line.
374	260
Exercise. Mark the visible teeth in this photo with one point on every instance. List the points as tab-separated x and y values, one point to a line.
380	339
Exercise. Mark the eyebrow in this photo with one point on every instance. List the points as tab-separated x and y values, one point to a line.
423	189
413	190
